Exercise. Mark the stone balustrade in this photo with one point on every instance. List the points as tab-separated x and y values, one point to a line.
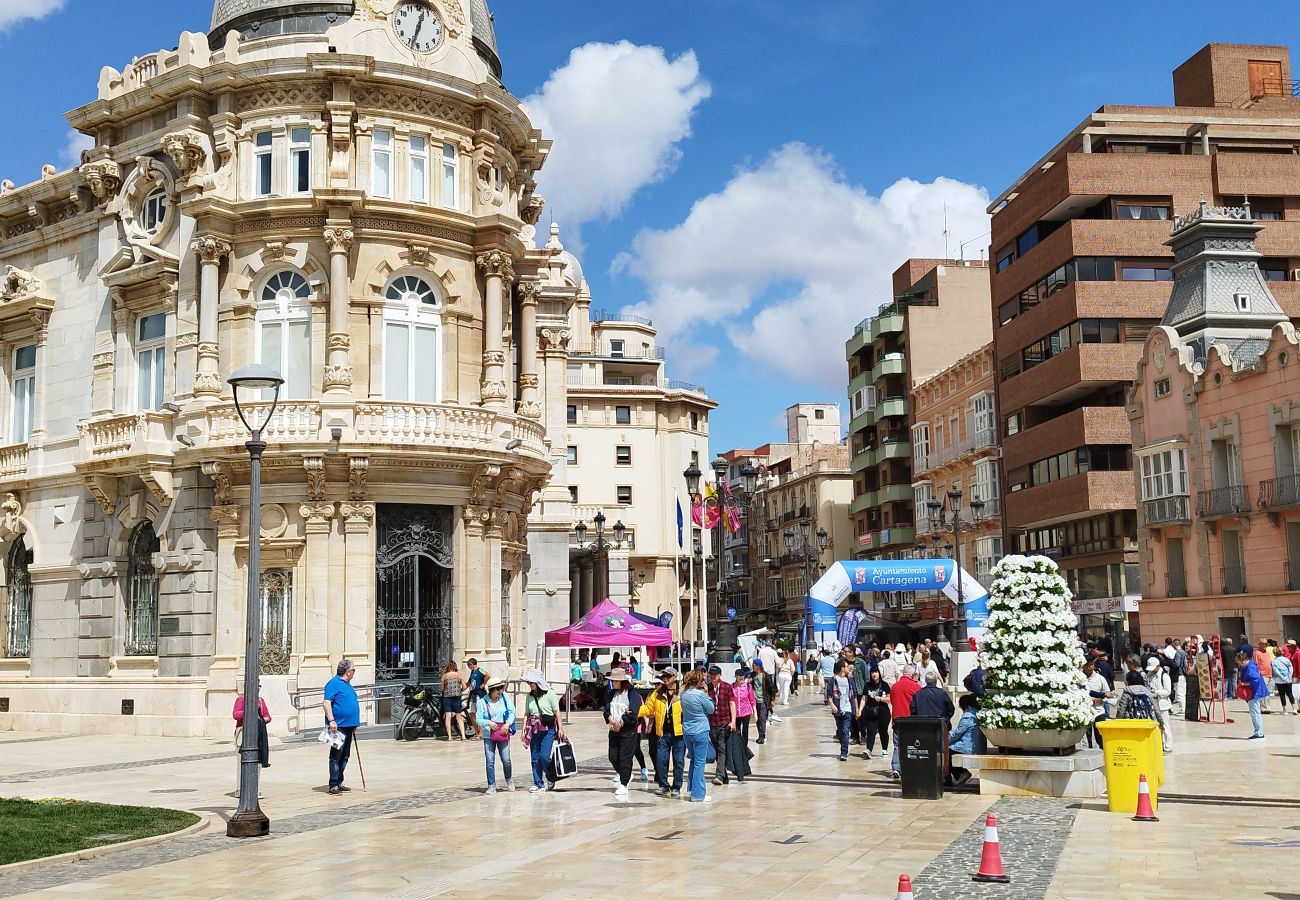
293	421
126	435
13	461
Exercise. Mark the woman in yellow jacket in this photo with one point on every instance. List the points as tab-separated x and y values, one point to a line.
662	710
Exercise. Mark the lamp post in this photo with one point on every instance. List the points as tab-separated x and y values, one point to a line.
950	521
249	820
726	505
600	548
811	566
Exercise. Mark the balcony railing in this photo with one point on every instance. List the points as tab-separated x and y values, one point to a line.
409	423
120	436
294	420
13	461
1225	501
629	353
607	315
979	440
1233	579
1277	493
1166	510
1175	584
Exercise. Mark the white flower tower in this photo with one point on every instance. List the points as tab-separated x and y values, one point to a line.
1035	697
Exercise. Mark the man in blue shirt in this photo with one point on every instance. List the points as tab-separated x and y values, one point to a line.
342	714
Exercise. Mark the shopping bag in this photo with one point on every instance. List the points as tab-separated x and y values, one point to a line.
738	755
563	763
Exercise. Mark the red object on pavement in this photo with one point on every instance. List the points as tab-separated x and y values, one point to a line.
904	888
991	859
1145	813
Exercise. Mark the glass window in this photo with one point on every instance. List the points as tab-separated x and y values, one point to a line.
419	176
150	357
381	166
300	160
1158	212
154	211
262	164
616	349
277	621
623	415
412	348
624	494
921	446
695	421
450	169
571	414
1164	474
623	456
284	329
573	456
142	594
573	493
23	386
18	628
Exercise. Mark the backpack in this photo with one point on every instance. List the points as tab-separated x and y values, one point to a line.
1140	707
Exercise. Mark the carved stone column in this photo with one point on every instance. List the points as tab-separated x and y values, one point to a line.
314	669
41	318
474	615
210	250
358	586
338	341
498	271
122	381
529	407
228	630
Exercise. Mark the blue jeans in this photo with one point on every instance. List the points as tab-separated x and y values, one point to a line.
893	765
1230	686
674	747
491	749
843	722
1256	719
541	754
698	744
339	758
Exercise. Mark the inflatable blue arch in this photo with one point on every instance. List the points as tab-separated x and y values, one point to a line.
861	576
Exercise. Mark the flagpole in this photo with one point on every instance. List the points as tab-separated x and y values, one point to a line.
677	591
695	622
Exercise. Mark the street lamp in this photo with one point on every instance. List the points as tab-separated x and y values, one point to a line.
246	385
952	522
600	547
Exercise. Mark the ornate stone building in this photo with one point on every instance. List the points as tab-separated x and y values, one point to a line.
344	191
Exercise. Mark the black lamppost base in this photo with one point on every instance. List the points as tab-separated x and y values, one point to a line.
250	823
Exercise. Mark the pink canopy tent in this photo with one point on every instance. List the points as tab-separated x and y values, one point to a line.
608	626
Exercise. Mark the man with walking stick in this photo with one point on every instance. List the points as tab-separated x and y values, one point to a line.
342	715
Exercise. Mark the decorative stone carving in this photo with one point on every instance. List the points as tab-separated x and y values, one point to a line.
496	263
370	11
338	240
477	517
338	340
104	489
207	383
10	512
530	209
493	389
418	254
556	340
159	483
210	250
186	150
275	250
338	377
315	467
18	283
481	482
357	517
105	568
358	472
104	178
316	514
453	17
528	291
103	360
220	480
227	519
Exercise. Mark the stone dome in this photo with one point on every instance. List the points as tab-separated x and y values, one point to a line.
265	18
485	34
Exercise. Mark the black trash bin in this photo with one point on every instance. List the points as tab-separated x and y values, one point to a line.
1192	706
921	756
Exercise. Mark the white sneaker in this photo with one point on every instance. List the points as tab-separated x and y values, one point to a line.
620	791
492	789
614	779
534	790
510	785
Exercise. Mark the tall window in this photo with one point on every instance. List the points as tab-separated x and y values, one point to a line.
450	168
1164	474
18	634
623	415
262	164
154	211
921	446
985	482
411	341
142	594
419	169
922	494
277	621
150	359
284	332
300	160
381	167
1294	434
982	414
24	392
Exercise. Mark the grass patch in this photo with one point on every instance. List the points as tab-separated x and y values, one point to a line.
30	829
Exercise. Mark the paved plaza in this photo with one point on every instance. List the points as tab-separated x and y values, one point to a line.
805	824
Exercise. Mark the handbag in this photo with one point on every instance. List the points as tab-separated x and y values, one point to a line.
563	763
502	735
1245	691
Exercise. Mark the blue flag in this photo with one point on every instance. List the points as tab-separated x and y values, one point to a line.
680	523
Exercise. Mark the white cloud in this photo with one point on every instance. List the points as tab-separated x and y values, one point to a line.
617	114
14	11
789	255
70	155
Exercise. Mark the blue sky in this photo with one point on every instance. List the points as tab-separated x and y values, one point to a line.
781	158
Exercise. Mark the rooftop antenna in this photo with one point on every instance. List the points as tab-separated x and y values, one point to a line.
945	231
961	250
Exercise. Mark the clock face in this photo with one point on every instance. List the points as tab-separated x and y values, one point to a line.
418	26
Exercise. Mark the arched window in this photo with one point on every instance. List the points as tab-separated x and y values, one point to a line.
18	634
412	341
284	332
142	594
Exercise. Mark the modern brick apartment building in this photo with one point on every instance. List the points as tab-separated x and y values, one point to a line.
1081	273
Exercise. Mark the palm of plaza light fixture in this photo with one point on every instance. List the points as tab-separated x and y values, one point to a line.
600	547
249	820
949	520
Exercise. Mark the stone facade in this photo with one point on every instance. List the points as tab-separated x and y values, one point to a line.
317	195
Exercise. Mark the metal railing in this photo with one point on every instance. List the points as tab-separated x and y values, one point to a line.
1292	576
1175	584
1225	501
609	315
1276	493
973	443
630	353
1234	579
1166	510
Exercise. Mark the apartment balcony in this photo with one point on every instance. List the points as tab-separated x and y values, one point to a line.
864	502
629	354
1223	502
887	324
1082	300
860	339
859	381
895	536
968	446
867	459
892	406
862	420
1175	584
892	364
1233	579
1066	377
1085	494
141	444
895	493
1167	511
1275	493
1090	425
13	463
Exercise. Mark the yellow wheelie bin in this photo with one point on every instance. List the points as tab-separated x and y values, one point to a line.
1133	748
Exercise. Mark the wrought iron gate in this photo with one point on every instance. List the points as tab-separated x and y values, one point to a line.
413	562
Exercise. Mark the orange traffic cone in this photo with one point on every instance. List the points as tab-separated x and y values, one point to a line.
904	888
1145	812
991	859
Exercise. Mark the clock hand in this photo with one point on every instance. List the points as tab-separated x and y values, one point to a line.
418	25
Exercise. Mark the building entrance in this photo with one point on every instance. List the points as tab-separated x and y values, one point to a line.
413	562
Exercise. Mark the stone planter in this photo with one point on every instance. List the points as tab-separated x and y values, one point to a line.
1038	739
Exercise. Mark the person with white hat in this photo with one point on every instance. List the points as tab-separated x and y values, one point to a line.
621	709
496	716
541	726
1162	691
